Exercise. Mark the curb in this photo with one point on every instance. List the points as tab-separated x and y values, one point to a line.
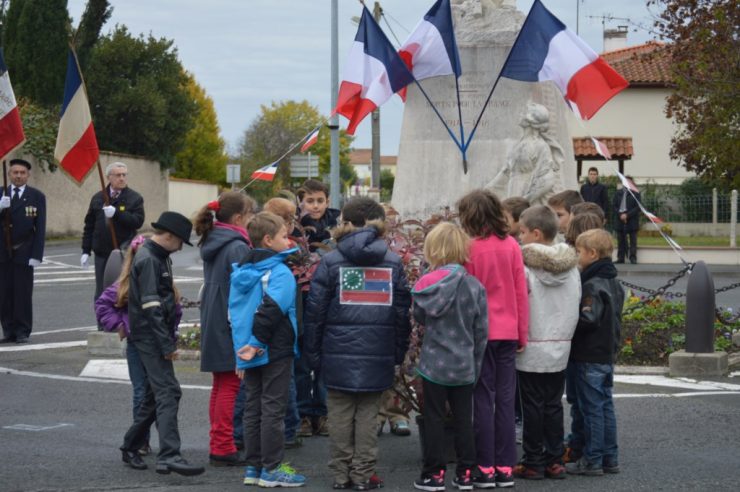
641	370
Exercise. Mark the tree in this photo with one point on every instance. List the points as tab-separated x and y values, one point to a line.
96	14
36	43
706	71
138	96
40	125
203	155
271	134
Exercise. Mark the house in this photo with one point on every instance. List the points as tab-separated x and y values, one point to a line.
633	124
361	160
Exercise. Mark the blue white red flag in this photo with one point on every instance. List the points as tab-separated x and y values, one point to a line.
372	74
11	129
266	173
312	139
602	149
547	50
76	148
371	286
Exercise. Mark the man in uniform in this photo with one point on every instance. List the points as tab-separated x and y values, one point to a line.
125	210
21	252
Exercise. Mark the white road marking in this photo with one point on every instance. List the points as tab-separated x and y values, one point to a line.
84	379
36	428
64	272
65	280
683	383
734	374
106	368
42	346
79	328
60	256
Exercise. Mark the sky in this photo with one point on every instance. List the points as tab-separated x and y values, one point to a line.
247	53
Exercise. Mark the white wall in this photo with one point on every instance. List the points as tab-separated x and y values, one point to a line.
636	113
187	196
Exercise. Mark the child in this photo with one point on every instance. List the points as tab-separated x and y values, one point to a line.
587	208
316	217
513	208
581	223
594	348
111	310
152	309
264	331
554	293
496	261
452	307
560	203
221	225
357	330
285	209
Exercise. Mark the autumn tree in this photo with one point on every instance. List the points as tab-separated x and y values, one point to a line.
203	154
706	71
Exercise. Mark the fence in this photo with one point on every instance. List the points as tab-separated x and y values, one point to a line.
715	208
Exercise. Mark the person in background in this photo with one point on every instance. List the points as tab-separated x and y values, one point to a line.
627	221
594	192
561	204
513	208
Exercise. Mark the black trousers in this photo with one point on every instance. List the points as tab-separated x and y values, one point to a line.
161	403
460	399
542	409
622	247
16	306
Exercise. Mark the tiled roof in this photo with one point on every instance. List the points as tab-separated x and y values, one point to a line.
619	147
643	65
360	157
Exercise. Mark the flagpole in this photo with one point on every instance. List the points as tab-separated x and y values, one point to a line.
464	148
6	219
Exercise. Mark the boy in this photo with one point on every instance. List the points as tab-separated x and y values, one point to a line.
592	355
357	330
554	293
264	332
560	203
151	311
316	216
588	208
513	208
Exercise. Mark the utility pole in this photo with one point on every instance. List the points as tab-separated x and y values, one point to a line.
335	187
578	14
375	160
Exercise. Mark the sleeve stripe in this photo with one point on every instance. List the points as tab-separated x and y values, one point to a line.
151	304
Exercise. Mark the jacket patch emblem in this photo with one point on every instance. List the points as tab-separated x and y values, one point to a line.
122	208
366	286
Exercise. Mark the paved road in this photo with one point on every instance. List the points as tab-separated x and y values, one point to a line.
60	431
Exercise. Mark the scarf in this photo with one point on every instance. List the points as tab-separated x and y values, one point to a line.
234	228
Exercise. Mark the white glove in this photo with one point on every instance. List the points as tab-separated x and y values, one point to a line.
109	211
4	202
33	262
84	260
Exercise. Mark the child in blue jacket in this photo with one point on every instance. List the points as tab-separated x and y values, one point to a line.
264	332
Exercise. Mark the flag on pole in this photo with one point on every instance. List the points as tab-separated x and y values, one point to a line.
312	139
431	49
602	149
372	74
76	148
547	50
653	217
11	129
266	173
627	183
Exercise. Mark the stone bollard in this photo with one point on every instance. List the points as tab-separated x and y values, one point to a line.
699	357
105	344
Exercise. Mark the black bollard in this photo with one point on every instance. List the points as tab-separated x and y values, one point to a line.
700	310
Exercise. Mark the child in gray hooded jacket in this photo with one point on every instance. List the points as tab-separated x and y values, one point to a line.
451	304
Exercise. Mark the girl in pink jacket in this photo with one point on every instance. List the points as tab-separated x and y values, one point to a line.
496	261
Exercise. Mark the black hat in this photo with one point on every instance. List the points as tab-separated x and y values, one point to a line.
20	162
175	223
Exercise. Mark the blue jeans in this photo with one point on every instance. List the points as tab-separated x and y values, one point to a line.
137	375
292	419
594	383
576	437
311	392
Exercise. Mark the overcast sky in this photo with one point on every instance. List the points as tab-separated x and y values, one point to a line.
249	52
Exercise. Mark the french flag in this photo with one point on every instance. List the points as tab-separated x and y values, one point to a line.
312	139
11	129
266	173
547	50
76	149
372	74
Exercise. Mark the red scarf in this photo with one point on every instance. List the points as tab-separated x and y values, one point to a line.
234	228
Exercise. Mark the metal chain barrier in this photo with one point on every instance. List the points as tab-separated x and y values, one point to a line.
187	303
654	293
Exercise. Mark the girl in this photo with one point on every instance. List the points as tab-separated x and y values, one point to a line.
496	260
452	307
111	310
221	225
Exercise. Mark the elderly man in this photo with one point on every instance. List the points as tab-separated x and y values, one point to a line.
125	210
23	208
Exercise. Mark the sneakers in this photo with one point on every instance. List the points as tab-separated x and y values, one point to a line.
485	478
527	472
282	476
572	455
220	460
555	470
145	450
373	482
401	428
583	467
611	466
430	482
463	482
322	427
251	475
503	476
306	428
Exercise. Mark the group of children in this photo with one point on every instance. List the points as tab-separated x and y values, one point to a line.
502	303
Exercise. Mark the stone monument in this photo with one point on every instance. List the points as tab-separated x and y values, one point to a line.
430	173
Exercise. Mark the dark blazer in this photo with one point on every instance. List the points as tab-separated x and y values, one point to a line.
28	227
633	212
596	193
129	217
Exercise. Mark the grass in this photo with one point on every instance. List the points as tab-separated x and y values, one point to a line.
686	241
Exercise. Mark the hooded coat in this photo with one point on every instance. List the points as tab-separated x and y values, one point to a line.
357	345
554	288
111	317
452	307
222	248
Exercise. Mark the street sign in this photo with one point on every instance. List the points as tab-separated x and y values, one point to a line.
304	166
233	173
